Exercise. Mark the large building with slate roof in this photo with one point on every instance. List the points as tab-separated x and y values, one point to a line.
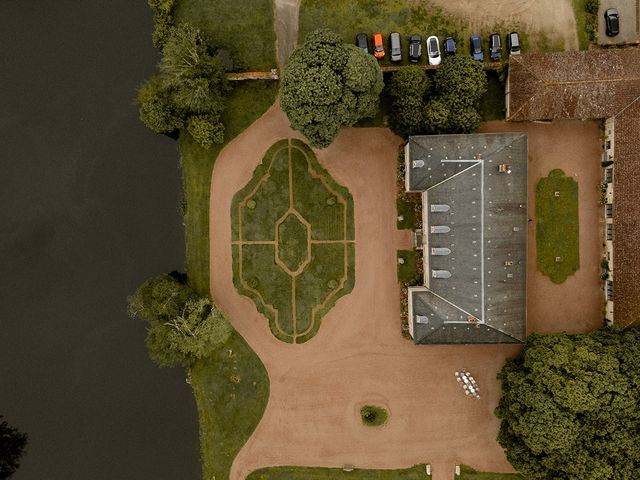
474	237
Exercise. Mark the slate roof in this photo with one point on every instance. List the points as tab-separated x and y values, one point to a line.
594	84
482	297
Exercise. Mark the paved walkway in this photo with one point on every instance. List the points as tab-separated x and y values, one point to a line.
286	28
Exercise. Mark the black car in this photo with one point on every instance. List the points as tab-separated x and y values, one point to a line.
513	43
362	42
612	22
476	47
415	48
495	47
449	46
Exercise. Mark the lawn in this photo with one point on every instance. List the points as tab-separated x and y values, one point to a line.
243	27
318	473
293	234
468	473
409	272
492	103
231	388
557	227
247	101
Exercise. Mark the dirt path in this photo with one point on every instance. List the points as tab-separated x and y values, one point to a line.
358	355
553	17
286	28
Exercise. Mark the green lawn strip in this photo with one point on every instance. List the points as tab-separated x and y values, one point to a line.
408	272
231	389
242	27
557	227
581	23
261	207
492	103
468	473
406	210
247	101
320	473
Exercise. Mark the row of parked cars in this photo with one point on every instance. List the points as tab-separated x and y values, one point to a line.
434	56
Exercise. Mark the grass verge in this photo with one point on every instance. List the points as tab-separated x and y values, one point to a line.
557	227
586	24
248	101
242	27
468	473
319	473
231	389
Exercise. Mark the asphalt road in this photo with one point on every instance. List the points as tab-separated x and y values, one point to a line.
88	210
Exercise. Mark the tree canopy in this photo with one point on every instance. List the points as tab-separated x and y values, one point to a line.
451	106
327	85
190	90
183	327
569	406
408	90
12	447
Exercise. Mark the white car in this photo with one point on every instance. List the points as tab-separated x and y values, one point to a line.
433	50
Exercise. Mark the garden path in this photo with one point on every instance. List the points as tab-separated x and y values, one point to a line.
286	29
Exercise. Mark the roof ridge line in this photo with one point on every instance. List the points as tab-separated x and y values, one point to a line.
503	332
453	305
453	176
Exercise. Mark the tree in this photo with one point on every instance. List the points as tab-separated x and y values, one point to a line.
12	447
408	90
183	327
461	78
190	90
569	406
436	117
162	21
327	85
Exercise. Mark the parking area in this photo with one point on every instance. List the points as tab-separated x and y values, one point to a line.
629	11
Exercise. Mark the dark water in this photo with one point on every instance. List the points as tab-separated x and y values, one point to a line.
89	209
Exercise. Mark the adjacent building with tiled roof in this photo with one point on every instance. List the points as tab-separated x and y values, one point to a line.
474	237
595	84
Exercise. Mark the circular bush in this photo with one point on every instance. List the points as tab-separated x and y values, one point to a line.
373	416
251	204
331	201
253	282
332	284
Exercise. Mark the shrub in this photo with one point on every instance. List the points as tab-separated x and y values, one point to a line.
408	89
373	416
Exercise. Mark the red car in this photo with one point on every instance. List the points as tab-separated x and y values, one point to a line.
378	46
